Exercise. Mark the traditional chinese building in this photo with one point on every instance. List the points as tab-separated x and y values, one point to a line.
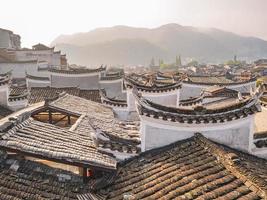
156	87
229	122
193	85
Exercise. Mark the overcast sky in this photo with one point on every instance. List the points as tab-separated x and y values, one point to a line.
43	20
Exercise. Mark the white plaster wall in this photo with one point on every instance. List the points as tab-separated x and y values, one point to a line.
87	81
41	55
112	88
130	100
193	90
19	69
124	114
157	133
36	83
165	98
4	93
170	98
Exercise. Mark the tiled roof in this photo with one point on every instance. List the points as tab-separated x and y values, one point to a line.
51	142
92	95
4	80
151	83
102	121
77	71
112	101
196	168
38	94
112	76
18	93
210	92
40	46
220	112
35	181
214	80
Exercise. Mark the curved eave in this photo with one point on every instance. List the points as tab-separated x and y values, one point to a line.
18	97
110	78
154	89
219	84
241	110
112	102
38	78
77	71
4	81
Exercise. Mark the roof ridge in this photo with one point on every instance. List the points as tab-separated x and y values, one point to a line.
16	125
231	161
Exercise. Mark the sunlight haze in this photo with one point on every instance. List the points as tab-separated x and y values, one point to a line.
42	21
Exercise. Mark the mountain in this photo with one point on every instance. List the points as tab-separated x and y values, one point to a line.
129	45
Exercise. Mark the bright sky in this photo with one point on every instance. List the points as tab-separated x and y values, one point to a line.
43	20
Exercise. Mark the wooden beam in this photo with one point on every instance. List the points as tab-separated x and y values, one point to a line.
55	122
69	122
50	119
92	166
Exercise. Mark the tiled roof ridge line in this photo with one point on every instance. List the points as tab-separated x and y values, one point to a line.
57	98
109	101
16	127
232	163
76	124
241	106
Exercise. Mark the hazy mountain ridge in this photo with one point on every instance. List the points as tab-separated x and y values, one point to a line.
128	45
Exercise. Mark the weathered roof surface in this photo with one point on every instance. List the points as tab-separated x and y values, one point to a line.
38	94
99	118
93	95
225	111
52	142
219	90
102	117
212	92
77	70
151	82
196	168
40	46
36	182
214	80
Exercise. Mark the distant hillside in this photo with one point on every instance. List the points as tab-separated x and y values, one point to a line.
128	45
